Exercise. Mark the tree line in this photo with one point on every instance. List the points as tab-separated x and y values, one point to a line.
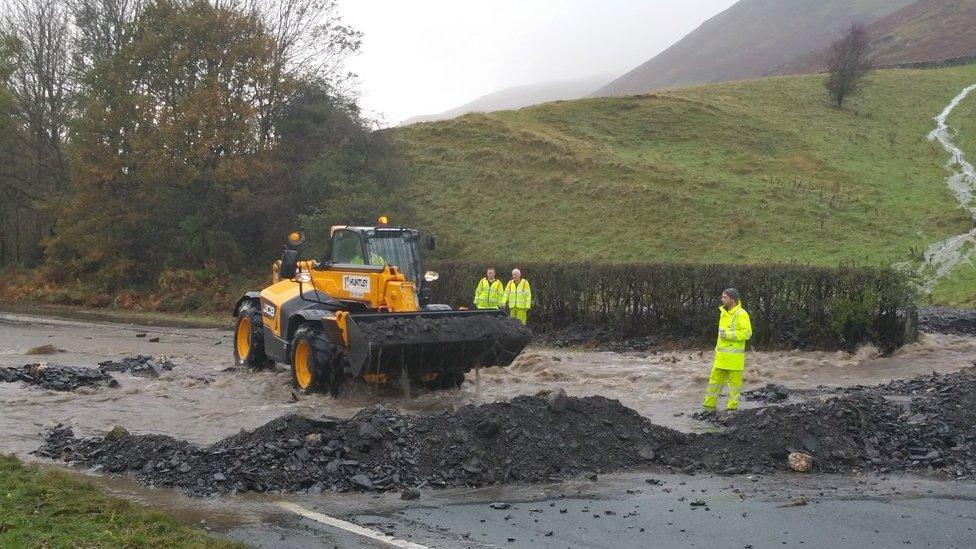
141	136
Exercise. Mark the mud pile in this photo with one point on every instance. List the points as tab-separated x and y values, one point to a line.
860	427
57	378
524	439
927	424
447	328
139	365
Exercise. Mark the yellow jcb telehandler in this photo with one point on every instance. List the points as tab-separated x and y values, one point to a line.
361	312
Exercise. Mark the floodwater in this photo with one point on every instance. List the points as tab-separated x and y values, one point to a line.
203	401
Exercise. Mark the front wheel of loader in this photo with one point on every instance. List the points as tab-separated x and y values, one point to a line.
315	362
249	338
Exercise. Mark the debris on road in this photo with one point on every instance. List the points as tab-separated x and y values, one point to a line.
44	350
770	393
800	462
523	440
380	449
139	365
798	501
946	320
56	377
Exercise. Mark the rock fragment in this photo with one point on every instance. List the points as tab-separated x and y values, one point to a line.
800	462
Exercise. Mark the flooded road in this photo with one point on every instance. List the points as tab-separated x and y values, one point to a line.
203	400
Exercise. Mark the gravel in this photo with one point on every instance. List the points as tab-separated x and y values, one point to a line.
926	424
139	365
947	320
56	377
520	440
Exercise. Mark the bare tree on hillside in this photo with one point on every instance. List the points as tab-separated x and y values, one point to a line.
848	63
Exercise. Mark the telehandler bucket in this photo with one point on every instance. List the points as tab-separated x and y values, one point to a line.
429	342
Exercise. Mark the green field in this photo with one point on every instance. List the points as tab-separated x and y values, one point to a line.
752	171
55	509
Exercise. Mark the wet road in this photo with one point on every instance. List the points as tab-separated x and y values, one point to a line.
202	401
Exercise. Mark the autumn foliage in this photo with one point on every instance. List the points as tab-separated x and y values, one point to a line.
197	134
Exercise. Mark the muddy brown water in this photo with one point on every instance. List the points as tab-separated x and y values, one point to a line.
665	387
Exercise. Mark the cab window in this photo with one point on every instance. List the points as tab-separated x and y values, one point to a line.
347	248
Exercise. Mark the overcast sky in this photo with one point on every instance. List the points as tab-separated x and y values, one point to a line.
427	56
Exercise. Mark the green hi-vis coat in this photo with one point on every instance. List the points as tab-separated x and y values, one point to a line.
518	296
489	295
730	351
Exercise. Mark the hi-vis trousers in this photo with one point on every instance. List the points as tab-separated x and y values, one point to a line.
718	379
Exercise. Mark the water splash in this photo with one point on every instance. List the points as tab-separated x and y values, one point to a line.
944	256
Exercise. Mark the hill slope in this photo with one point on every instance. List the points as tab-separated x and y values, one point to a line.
521	96
925	31
748	40
746	171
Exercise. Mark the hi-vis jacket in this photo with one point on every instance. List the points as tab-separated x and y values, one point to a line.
518	296
730	351
489	296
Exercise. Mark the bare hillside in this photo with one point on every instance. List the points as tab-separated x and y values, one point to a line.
748	40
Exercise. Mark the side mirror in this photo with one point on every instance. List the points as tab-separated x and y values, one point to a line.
431	242
289	264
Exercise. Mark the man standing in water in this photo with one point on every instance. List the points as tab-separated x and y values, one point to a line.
734	329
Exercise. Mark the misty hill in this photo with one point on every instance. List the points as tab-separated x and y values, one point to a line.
749	171
748	40
521	96
925	31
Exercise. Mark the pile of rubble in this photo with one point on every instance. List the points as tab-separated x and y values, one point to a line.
139	365
57	378
530	439
852	428
946	320
540	438
770	393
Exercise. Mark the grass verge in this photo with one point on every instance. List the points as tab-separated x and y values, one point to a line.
54	509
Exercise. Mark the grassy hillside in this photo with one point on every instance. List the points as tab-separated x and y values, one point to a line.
745	171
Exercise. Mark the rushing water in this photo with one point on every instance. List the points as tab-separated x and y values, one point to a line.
201	401
944	256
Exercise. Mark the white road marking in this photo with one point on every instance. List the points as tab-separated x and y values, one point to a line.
349	527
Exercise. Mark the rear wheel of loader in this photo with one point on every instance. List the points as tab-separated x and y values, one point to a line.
249	338
315	362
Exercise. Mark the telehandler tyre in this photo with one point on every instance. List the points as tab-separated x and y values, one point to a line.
249	338
316	362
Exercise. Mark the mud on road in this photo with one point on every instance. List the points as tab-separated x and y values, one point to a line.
202	401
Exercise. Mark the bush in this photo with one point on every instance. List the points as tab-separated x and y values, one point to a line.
790	305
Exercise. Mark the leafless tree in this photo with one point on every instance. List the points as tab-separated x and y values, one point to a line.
312	44
40	81
848	63
100	28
